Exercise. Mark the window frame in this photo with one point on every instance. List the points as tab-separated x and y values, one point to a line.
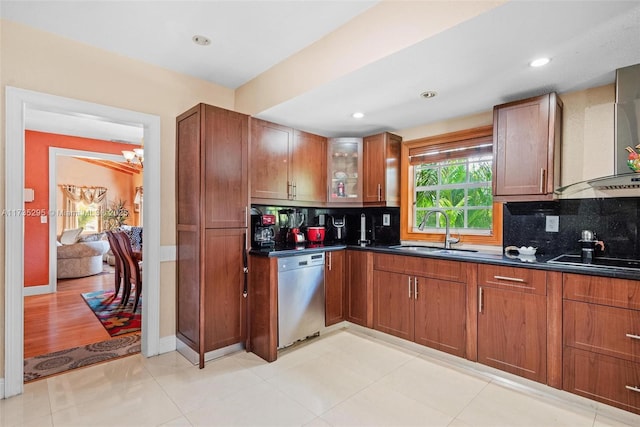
408	191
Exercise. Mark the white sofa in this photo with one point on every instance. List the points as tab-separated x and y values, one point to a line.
80	256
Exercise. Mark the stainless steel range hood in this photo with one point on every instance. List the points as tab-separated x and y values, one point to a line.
627	134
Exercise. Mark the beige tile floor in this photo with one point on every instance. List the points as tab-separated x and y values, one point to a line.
343	378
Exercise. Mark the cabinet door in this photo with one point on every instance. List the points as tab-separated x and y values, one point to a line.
344	175
359	297
225	140
440	314
512	332
523	148
270	147
373	185
308	167
334	287
224	303
393	304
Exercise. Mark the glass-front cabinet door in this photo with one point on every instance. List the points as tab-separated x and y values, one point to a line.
345	170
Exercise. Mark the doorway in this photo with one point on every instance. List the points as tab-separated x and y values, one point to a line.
18	104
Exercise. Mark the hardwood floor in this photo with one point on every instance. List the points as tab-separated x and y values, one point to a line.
60	321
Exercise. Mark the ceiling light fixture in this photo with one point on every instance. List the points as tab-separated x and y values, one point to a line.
539	62
135	157
201	40
357	115
429	94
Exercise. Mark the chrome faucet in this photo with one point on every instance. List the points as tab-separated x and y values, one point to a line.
448	240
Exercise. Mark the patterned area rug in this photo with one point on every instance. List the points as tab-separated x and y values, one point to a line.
46	365
116	319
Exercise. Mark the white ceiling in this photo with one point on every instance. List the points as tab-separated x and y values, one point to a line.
473	66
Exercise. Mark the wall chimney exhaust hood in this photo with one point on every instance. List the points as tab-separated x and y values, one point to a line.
627	134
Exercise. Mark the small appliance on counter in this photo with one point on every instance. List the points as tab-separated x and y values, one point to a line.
315	234
338	228
262	233
290	222
588	244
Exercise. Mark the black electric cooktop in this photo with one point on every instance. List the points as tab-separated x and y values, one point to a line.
601	262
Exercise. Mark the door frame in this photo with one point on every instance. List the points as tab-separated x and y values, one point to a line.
18	102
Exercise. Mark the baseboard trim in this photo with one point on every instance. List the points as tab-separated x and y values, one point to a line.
1	388
37	290
167	344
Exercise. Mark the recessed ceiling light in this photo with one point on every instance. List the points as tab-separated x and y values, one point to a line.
201	40
429	94
539	62
357	115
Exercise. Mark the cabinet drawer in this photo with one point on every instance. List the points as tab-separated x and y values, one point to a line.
418	266
603	378
602	329
513	278
602	290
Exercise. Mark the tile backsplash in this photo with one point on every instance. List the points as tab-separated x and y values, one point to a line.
614	220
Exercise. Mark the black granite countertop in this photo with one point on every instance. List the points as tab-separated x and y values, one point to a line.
539	262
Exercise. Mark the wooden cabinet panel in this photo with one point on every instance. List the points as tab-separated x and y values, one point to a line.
512	332
334	289
188	286
393	304
263	307
436	268
381	168
359	296
527	148
440	318
602	290
602	329
270	158
188	165
224	303
225	140
513	278
308	167
603	378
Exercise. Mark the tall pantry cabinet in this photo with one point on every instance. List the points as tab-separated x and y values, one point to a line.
212	201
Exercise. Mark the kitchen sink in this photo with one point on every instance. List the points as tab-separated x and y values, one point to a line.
598	262
433	249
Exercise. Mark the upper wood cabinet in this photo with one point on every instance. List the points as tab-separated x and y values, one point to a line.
344	171
381	167
526	151
286	164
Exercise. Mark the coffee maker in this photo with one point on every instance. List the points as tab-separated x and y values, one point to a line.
262	233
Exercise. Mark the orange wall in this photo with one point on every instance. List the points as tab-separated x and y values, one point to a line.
36	234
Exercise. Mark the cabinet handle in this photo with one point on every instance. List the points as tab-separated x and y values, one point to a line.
635	337
632	388
409	287
480	302
509	279
295	191
246	212
542	174
415	288
288	190
379	192
329	253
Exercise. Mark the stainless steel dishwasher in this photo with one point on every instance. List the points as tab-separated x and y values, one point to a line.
300	297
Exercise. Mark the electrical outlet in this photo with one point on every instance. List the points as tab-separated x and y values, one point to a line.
386	219
553	223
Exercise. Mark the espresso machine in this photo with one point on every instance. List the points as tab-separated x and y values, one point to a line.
262	233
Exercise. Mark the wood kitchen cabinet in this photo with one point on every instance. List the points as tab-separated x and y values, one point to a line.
421	300
512	320
211	216
602	339
526	150
381	168
359	288
344	171
286	164
334	287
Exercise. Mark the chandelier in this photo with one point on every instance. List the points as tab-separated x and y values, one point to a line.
135	157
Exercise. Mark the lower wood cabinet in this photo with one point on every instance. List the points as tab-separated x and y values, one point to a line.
602	339
427	310
359	290
334	288
512	320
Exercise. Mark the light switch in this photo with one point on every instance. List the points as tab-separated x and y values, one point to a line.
43	219
386	219
553	223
